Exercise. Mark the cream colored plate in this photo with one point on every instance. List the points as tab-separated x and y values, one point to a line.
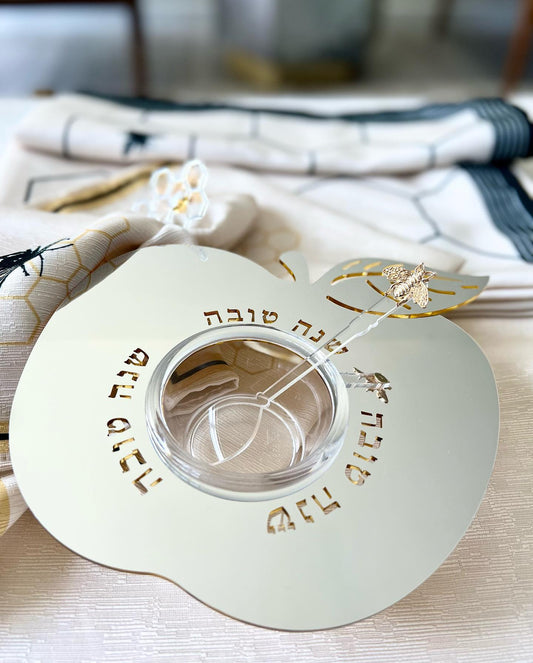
355	540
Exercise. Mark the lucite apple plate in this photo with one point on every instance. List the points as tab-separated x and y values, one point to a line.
140	442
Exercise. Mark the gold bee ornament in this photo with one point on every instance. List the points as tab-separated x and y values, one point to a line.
406	285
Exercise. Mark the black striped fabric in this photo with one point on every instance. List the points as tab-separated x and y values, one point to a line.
510	207
513	131
512	128
508	204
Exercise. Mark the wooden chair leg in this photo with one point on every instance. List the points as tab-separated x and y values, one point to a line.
519	47
138	51
441	19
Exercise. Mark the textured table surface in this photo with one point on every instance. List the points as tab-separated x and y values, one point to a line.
478	607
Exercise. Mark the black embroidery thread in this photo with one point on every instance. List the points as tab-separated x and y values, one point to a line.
135	139
12	261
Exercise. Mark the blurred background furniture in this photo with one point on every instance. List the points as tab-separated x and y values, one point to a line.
519	48
272	42
519	45
176	48
137	44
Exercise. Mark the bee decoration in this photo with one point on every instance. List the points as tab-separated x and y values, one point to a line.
12	261
406	285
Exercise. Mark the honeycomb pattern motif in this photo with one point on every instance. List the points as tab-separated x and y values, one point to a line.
30	300
267	241
425	206
29	297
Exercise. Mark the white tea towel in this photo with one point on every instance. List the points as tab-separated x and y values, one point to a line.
453	186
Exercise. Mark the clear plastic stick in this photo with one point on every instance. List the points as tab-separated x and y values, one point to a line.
405	285
267	398
275	390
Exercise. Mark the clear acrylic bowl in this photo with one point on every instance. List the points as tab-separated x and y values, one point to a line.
206	424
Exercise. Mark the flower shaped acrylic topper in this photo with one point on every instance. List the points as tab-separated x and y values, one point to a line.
179	200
